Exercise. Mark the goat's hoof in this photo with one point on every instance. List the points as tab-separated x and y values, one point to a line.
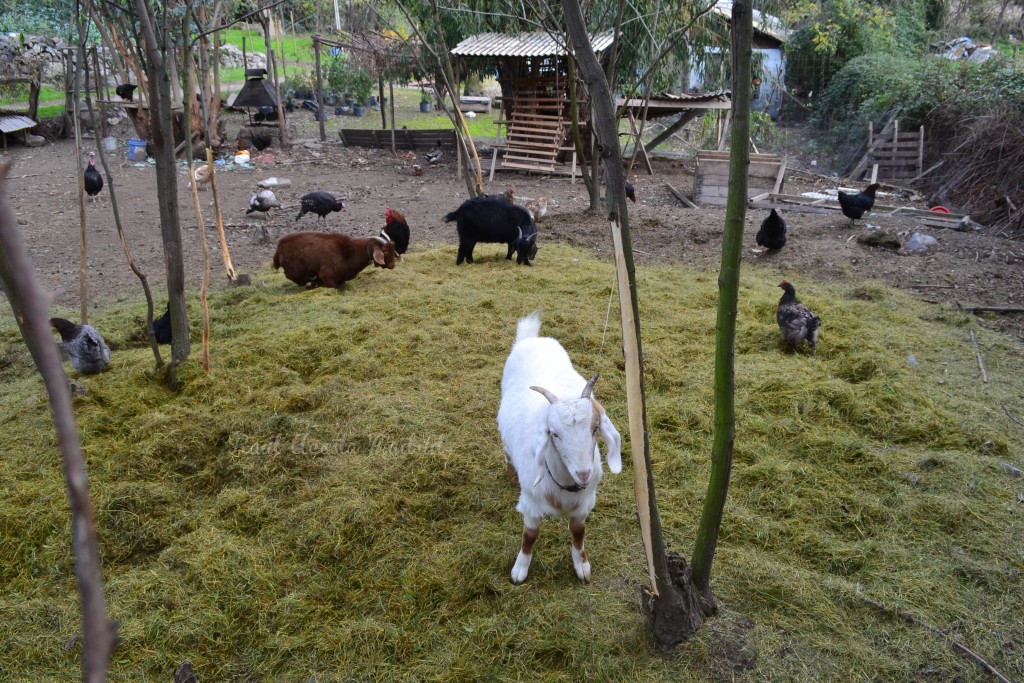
583	572
521	569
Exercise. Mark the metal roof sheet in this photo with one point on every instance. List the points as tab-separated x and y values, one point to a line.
538	44
763	23
11	123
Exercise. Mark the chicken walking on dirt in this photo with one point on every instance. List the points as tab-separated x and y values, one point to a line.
796	322
856	205
772	235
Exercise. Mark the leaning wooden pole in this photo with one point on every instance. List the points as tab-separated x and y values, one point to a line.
319	89
83	278
220	221
29	304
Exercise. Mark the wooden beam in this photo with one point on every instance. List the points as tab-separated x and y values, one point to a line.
664	135
680	196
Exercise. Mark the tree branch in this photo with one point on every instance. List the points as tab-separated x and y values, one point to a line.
29	305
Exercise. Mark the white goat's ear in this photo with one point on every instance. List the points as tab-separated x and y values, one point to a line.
546	394
613	443
539	443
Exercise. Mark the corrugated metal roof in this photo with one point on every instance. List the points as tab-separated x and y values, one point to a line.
12	123
694	96
763	23
539	44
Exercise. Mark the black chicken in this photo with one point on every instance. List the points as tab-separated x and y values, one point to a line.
260	141
93	179
162	327
126	91
396	230
772	234
856	205
630	192
797	323
320	203
263	201
85	347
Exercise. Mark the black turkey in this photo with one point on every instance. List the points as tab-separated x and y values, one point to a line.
93	179
320	203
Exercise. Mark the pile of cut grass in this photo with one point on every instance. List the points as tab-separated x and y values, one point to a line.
330	501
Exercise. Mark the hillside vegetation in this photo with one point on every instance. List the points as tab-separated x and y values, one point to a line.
330	501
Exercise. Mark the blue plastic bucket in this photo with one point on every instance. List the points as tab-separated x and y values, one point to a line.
136	149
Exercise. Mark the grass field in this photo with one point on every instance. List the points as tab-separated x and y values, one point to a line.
330	502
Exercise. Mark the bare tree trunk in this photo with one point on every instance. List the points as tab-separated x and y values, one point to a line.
28	303
728	294
167	182
577	138
674	609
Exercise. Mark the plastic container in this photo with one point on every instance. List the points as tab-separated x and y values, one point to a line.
136	149
920	242
110	144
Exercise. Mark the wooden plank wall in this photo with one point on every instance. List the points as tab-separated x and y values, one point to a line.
711	180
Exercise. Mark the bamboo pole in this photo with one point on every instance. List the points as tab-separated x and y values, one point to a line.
319	88
203	302
220	222
83	281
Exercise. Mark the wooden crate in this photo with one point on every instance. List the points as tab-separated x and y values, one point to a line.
711	179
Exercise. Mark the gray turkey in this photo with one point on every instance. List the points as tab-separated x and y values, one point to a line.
83	345
796	322
434	155
263	201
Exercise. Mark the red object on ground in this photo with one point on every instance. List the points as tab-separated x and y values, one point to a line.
939	209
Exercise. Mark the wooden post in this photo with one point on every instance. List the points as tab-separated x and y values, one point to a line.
871	133
319	88
380	95
282	128
895	147
280	43
920	150
99	95
391	103
83	282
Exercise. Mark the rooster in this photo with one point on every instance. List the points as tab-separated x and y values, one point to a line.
93	179
126	91
796	322
263	201
856	205
396	230
538	208
434	155
84	345
772	234
320	203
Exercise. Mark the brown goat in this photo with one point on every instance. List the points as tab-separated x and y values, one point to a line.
323	259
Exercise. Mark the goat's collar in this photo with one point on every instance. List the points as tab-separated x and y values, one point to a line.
573	488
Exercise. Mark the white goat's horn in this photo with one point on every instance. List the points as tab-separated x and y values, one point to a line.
520	233
546	394
385	235
589	389
379	240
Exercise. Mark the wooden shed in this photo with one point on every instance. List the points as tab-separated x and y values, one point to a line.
534	76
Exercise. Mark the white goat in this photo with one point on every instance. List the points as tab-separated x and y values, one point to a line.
550	439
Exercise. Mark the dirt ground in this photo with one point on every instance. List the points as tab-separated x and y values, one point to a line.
969	268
